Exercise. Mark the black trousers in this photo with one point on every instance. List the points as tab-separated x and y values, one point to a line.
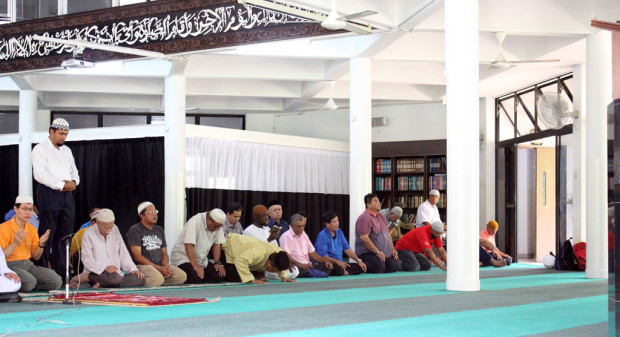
56	213
352	269
210	274
374	265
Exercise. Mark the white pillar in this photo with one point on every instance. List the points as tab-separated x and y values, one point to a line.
27	122
579	158
174	156
487	161
598	96
360	140
462	128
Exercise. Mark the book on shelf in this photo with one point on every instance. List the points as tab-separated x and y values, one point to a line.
437	164
410	201
442	200
437	182
409	165
383	183
411	183
384	166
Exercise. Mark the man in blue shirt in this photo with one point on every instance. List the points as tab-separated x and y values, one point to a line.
330	243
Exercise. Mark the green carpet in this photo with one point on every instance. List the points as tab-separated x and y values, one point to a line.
87	316
506	321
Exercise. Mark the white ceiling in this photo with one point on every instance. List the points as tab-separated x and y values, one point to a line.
406	48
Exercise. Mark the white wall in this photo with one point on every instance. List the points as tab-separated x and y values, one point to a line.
405	123
410	122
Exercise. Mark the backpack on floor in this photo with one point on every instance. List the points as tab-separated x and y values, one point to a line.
565	258
580	255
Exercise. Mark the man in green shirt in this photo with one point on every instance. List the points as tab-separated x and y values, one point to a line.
247	256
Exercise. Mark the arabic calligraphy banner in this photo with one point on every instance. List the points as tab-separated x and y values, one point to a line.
163	26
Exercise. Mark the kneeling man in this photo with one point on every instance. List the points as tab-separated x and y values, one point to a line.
147	243
414	245
246	256
105	255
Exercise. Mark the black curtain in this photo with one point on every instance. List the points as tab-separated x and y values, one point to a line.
9	166
313	204
119	174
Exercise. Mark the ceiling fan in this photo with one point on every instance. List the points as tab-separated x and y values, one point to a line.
332	21
500	61
329	105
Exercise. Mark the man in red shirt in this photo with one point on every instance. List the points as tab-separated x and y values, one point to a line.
415	248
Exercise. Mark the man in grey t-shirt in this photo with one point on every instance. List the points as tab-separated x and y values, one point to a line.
147	244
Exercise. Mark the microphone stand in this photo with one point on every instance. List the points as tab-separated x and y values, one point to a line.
67	274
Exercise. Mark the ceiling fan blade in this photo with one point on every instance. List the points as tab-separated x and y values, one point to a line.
357	28
357	15
534	61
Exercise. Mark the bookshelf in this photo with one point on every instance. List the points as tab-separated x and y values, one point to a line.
406	180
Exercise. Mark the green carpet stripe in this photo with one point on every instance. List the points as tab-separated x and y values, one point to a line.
115	315
506	321
432	271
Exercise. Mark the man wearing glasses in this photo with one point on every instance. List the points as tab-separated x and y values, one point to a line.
147	244
20	242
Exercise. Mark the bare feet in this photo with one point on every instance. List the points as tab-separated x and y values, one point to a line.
498	264
74	282
96	285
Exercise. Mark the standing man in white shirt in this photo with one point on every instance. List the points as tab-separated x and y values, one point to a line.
54	169
428	211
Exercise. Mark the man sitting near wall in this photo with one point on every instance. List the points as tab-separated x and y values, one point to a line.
147	243
202	233
488	234
105	255
330	243
373	243
275	218
91	220
247	258
297	243
259	229
233	215
20	242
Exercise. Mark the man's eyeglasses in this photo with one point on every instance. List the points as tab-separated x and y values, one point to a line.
27	209
152	212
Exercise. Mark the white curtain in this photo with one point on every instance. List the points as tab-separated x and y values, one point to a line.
233	165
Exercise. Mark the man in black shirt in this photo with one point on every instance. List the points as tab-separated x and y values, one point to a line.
147	244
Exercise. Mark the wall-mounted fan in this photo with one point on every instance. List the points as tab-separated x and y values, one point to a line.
553	110
329	105
331	21
500	61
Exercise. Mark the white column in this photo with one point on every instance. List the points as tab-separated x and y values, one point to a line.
360	140
598	96
487	161
27	122
579	157
462	144
174	156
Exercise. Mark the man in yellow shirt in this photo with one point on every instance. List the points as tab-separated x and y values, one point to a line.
20	242
246	255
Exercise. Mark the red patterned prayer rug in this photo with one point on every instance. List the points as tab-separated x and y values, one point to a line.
130	299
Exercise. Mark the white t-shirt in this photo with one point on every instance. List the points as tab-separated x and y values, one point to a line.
259	233
427	213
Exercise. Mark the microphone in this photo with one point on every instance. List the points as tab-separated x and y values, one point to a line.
68	236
